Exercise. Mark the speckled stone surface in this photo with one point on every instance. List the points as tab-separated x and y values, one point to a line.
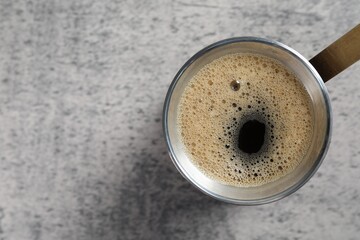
82	155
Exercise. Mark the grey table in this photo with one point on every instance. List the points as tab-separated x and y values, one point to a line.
82	154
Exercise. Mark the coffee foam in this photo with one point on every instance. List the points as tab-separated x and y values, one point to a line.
212	111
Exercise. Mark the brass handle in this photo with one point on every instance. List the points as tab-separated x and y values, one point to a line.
339	55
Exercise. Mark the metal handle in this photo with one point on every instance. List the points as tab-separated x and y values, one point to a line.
339	55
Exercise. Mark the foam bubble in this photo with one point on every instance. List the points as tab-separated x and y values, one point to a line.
225	94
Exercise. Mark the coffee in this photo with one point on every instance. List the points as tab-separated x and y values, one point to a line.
245	120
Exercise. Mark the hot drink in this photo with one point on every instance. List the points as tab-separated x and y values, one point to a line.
245	120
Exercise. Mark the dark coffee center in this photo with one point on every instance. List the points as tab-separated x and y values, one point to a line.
251	136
